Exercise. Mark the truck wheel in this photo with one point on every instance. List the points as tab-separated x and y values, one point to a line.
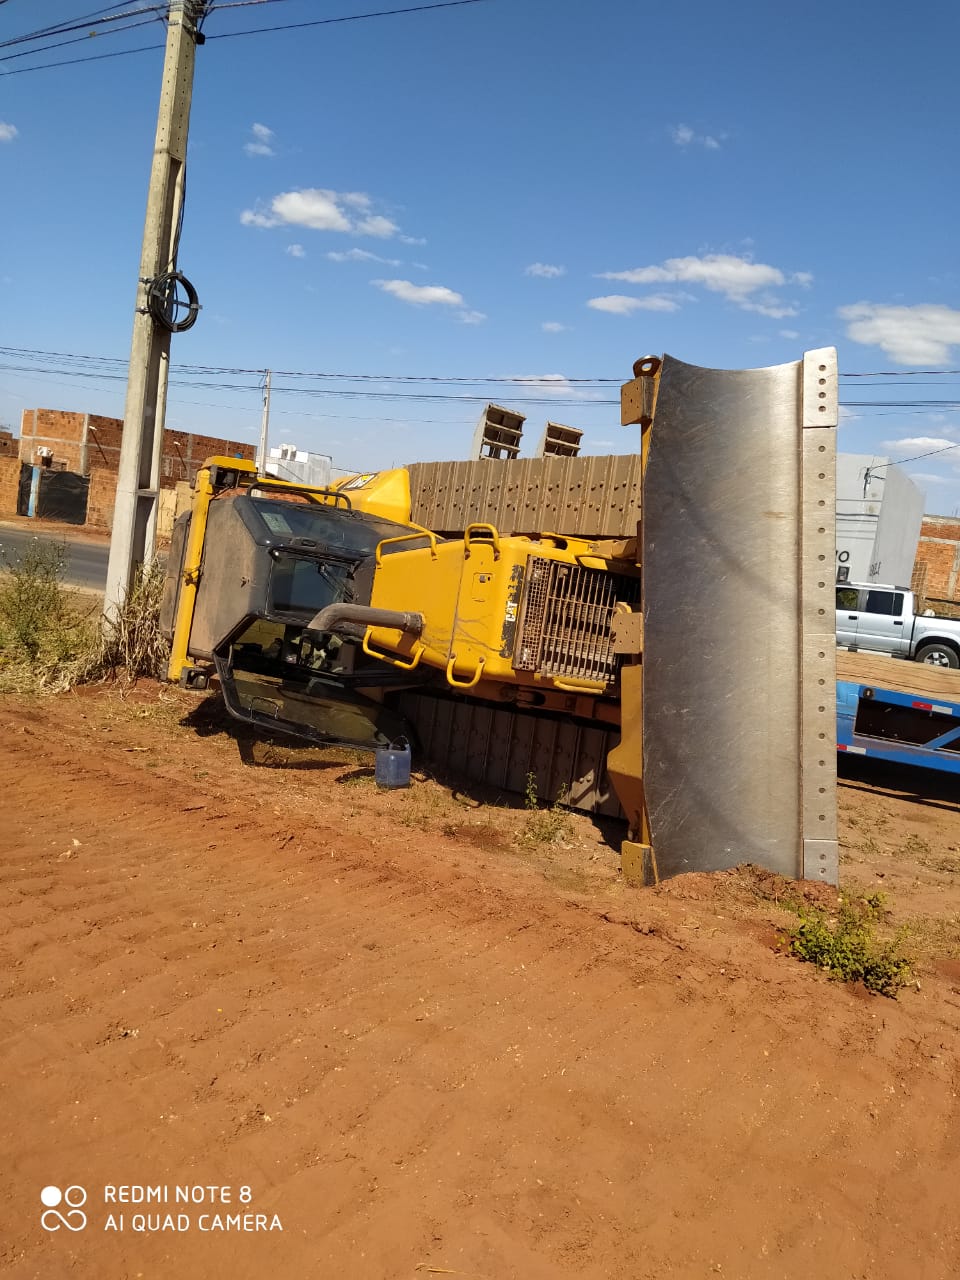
938	655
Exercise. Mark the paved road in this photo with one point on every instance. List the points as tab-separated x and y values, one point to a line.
86	561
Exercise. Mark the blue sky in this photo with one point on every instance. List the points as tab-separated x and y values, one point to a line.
539	189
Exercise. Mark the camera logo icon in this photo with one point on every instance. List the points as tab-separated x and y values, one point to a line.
72	1217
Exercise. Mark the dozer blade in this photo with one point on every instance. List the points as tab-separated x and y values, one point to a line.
739	692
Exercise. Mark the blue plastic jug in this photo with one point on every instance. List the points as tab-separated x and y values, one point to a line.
392	765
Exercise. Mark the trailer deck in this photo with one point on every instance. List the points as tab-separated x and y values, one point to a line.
905	712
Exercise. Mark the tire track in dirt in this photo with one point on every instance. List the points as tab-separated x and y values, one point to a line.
416	1062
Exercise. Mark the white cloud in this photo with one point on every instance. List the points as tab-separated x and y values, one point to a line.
471	317
910	444
620	305
554	326
775	310
554	384
544	270
788	333
296	251
7	131
361	255
724	273
917	335
412	240
259	144
737	279
377	226
684	136
420	295
320	209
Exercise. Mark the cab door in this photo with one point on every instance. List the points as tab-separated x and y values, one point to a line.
881	625
848	616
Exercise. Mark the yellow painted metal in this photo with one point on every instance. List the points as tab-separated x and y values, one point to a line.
570	684
468	591
625	761
638	402
406	537
463	684
417	652
464	594
379	493
475	532
190	576
638	863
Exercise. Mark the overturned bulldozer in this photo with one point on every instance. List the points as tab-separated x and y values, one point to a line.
661	623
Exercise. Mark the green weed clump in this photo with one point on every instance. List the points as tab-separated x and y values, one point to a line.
44	638
47	643
543	825
846	945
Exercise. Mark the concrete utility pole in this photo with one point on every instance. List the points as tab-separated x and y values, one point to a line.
264	427
138	480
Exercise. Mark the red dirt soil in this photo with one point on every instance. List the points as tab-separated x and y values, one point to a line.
434	1046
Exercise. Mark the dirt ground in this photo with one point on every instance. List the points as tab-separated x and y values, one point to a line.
424	1038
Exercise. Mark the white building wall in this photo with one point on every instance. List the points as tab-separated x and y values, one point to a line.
898	530
298	466
879	513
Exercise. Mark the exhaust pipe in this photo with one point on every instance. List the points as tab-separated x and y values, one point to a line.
344	617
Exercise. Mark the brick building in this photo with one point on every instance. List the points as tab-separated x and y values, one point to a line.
84	442
8	445
936	575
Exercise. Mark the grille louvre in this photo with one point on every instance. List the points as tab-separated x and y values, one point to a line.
565	620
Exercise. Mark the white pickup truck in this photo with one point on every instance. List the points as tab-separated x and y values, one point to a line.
882	619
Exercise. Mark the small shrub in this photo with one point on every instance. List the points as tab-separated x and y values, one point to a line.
132	641
543	826
846	945
42	635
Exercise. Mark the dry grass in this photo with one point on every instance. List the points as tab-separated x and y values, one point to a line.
132	642
45	637
52	638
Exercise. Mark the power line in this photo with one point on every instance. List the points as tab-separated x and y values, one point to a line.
225	35
900	462
524	380
26	53
903	373
355	17
83	24
72	62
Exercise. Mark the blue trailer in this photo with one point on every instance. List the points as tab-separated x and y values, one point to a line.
899	711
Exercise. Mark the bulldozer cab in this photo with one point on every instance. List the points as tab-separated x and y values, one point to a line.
249	567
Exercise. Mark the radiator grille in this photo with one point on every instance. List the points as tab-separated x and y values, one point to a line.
565	619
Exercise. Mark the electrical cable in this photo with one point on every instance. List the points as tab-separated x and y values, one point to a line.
26	53
84	24
916	457
72	62
355	17
523	380
121	53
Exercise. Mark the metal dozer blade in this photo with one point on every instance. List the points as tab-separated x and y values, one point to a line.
733	698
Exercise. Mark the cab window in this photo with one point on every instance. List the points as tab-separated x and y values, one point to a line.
848	598
888	602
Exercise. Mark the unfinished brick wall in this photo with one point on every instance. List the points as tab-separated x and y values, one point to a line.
83	442
938	553
184	454
9	485
100	498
